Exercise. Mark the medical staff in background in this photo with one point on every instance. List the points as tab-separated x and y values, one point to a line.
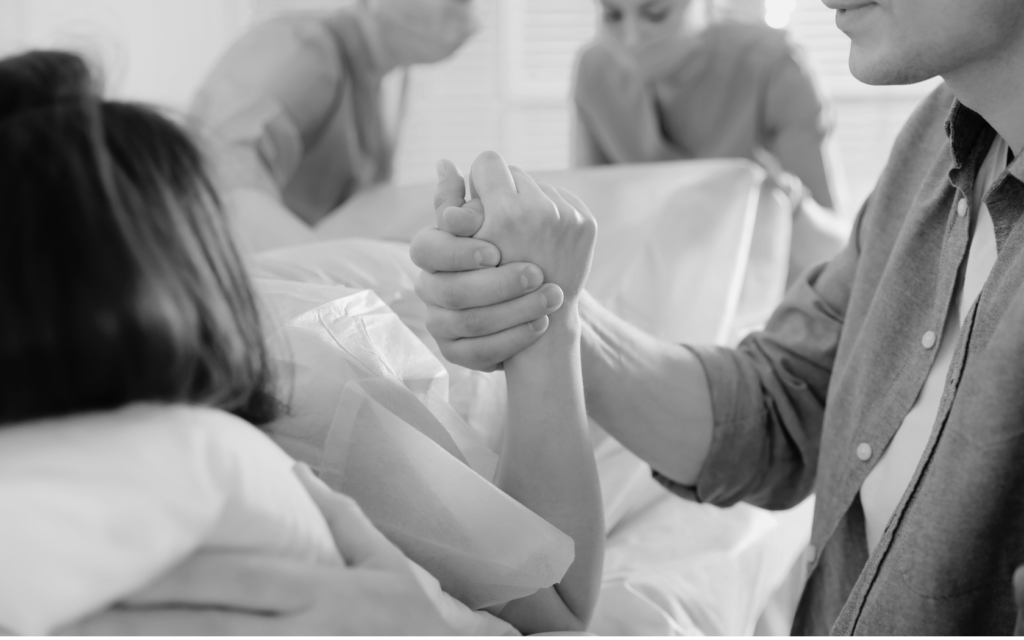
664	80
295	108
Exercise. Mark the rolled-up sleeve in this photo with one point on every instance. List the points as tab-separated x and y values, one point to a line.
768	394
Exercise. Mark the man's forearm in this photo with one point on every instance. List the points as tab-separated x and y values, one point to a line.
650	395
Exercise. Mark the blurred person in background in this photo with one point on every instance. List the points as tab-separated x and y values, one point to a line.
665	80
296	112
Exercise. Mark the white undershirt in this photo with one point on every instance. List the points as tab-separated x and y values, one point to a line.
888	481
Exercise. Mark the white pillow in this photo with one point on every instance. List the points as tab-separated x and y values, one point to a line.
96	506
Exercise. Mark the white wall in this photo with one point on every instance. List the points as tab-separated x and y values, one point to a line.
152	50
507	89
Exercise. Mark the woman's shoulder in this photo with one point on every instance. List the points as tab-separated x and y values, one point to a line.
596	68
592	59
750	41
282	50
305	30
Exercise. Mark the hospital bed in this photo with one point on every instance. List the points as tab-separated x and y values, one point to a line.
694	252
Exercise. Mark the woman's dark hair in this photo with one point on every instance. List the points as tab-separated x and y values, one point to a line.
119	280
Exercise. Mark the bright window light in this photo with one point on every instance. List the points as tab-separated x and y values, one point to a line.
777	12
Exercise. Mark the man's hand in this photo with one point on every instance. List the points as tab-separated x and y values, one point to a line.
535	222
240	594
480	316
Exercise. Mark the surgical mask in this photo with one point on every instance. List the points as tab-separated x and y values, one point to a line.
650	50
423	31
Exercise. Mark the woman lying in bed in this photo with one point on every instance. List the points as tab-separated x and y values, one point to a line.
137	371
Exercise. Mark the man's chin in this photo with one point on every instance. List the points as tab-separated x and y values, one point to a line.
882	70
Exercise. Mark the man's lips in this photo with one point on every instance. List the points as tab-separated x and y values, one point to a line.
846	5
851	12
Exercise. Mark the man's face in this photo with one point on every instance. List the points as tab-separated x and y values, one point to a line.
907	41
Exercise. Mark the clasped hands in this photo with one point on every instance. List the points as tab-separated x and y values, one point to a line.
497	269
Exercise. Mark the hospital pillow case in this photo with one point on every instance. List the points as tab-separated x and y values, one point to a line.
97	506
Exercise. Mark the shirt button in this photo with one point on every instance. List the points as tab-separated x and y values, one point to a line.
961	207
810	554
928	339
864	451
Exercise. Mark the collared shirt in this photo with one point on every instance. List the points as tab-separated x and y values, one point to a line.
888	480
293	109
810	403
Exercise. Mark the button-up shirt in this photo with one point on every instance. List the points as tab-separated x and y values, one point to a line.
803	405
888	480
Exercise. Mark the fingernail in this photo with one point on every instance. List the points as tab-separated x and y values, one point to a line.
539	325
553	299
531	279
486	257
442	170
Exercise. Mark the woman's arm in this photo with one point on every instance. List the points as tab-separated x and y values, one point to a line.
796	118
819	234
547	460
585	150
801	152
547	464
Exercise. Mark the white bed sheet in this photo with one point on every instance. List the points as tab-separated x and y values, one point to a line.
689	251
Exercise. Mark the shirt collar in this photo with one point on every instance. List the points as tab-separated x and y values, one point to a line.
970	136
1016	167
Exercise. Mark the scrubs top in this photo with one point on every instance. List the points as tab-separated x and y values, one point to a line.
294	109
739	87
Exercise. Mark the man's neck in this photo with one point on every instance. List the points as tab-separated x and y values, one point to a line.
994	88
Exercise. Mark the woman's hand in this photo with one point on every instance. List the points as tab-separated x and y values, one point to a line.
537	223
245	594
547	459
480	316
